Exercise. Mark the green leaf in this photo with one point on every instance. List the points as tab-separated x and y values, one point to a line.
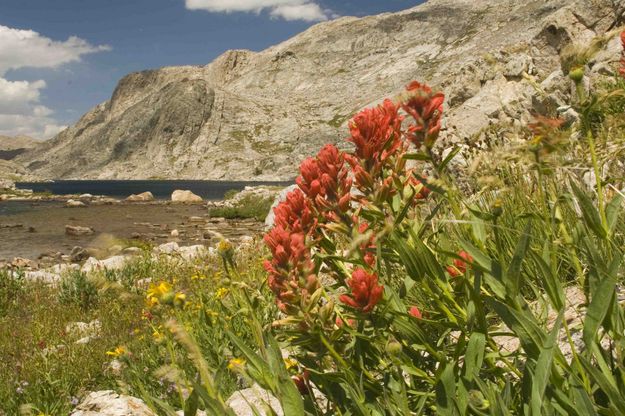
417	156
443	165
607	386
613	210
552	284
446	390
288	394
600	303
524	325
474	355
589	212
190	405
513	275
543	368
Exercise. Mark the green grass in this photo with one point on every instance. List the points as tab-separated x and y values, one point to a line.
43	368
249	207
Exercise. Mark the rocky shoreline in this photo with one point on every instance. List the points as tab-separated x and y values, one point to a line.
100	228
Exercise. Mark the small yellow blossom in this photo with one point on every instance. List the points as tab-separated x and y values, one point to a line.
198	276
290	363
156	291
157	335
119	351
221	293
225	250
236	364
151	302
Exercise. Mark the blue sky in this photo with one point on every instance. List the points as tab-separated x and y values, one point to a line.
59	58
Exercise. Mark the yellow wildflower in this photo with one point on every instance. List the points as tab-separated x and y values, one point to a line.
151	302
157	335
221	293
180	299
236	364
119	351
156	291
198	276
289	363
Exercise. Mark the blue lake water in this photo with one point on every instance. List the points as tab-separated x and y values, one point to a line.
210	190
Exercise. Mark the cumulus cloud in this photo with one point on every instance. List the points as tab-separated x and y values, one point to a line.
305	10
21	112
26	48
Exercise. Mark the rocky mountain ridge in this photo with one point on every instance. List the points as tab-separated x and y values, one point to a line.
256	115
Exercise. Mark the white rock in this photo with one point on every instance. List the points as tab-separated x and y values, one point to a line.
142	197
109	403
84	329
115	367
168	248
74	204
42	276
132	251
78	230
175	233
191	252
114	263
244	401
63	268
185	196
91	264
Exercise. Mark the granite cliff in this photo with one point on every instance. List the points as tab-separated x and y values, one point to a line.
256	115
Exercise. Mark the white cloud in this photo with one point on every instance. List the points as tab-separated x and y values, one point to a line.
20	110
26	48
306	10
17	97
31	125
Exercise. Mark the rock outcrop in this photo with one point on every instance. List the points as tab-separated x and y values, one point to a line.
185	196
142	197
10	147
256	115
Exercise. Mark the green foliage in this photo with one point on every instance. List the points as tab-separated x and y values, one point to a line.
250	206
76	288
11	286
230	194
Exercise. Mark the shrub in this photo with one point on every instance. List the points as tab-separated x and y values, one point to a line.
250	206
11	286
76	288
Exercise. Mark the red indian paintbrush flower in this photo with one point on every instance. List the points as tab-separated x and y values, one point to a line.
290	270
376	132
459	267
426	108
325	180
295	213
366	292
414	311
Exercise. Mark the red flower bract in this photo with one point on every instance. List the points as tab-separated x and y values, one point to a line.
290	270
459	267
376	132
366	292
325	180
414	311
426	108
295	213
